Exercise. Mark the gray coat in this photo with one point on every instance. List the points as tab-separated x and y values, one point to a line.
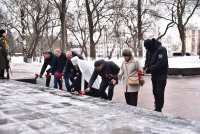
128	69
3	54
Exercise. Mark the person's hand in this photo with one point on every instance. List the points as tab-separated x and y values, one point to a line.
8	57
147	71
88	89
114	82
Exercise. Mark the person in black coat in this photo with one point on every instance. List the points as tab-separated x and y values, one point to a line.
57	68
49	58
156	64
108	71
70	71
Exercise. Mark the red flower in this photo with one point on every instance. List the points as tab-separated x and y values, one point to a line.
36	76
59	75
81	92
47	76
140	73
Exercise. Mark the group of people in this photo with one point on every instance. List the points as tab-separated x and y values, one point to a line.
77	74
65	66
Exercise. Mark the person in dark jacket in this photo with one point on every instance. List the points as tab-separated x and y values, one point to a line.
156	64
4	56
69	70
108	70
49	58
57	68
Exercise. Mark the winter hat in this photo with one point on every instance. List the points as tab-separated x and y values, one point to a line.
74	60
2	31
127	52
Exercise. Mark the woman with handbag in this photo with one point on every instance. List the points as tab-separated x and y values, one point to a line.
132	73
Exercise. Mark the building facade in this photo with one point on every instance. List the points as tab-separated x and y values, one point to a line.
193	40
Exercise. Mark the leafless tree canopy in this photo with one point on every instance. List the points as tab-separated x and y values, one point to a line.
42	25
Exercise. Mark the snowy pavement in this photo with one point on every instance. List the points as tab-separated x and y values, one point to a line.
31	109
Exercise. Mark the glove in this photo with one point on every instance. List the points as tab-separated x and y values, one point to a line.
59	75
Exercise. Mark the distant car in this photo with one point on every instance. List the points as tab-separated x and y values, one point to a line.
175	54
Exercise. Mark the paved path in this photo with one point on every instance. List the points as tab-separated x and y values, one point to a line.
181	97
30	109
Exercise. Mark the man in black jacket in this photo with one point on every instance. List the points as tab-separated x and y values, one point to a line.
58	67
49	58
69	70
156	64
108	70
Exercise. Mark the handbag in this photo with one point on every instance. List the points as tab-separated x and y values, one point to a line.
134	79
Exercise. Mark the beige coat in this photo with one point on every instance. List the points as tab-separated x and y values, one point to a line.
128	69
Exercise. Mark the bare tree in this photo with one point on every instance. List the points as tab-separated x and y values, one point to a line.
96	11
181	11
62	5
79	28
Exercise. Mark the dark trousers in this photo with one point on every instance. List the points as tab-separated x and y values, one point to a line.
131	98
2	73
102	90
57	82
48	80
67	83
159	84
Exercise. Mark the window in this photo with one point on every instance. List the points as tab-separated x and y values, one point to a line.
193	39
199	39
198	31
193	47
193	31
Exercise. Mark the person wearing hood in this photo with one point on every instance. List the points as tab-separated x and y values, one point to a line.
49	58
156	64
4	54
131	68
69	71
108	71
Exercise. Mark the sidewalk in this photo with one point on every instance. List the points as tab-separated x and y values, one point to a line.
182	96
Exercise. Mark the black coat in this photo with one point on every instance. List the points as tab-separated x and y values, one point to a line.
69	68
109	68
157	60
47	62
3	54
59	63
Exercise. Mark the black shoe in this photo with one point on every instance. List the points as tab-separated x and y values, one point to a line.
158	109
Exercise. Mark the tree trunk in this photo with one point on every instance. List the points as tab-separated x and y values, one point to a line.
91	31
183	36
64	44
24	34
139	29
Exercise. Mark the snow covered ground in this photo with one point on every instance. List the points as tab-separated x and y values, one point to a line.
31	109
